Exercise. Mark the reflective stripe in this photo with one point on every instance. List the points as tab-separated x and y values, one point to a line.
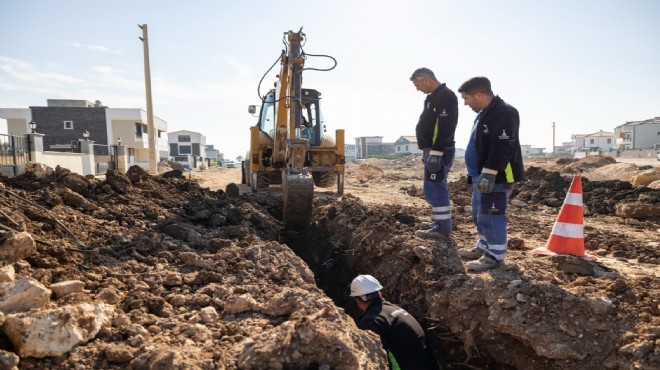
573	199
495	248
568	230
508	172
441	217
435	130
441	209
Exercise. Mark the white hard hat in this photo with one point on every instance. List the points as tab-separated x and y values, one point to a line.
363	285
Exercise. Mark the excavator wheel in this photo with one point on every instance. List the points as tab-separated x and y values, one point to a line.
298	194
324	179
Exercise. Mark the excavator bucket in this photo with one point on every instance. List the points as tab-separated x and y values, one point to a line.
298	194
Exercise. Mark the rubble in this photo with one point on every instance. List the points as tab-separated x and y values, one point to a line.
163	273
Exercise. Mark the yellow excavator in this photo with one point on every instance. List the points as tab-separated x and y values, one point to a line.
289	144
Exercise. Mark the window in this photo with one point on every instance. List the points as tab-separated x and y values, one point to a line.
406	148
138	130
68	125
657	133
185	149
609	141
591	141
181	159
184	138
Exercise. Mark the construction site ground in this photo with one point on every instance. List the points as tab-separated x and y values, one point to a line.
201	274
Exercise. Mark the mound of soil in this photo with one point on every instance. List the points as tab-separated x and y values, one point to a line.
197	279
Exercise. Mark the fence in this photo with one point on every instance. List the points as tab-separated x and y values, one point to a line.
14	154
104	158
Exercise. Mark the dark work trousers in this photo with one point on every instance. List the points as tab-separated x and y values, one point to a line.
489	214
436	191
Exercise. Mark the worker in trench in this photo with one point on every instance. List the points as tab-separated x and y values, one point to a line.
400	334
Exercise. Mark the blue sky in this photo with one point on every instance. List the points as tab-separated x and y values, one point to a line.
586	65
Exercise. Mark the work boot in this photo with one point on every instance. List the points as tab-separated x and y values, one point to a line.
433	233
483	263
470	253
427	225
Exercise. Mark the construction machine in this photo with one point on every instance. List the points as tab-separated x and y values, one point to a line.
289	144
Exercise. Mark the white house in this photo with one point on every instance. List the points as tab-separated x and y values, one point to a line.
187	148
638	134
406	145
595	143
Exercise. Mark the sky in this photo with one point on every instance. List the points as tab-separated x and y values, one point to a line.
585	65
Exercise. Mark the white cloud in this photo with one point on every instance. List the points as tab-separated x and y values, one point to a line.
93	47
28	73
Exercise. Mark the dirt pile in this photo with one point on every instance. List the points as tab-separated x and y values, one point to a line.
529	314
202	279
197	279
584	164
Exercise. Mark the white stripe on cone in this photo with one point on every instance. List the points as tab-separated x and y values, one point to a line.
568	230
574	199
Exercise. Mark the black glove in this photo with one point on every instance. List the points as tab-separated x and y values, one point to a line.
434	163
486	182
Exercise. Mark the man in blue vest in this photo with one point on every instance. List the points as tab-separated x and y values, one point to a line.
435	136
494	162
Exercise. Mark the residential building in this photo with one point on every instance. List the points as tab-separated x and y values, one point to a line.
63	121
406	145
187	148
638	134
211	154
372	145
528	151
595	143
349	151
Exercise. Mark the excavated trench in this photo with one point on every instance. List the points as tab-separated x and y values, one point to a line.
334	267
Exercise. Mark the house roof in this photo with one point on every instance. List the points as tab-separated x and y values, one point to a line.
410	139
655	120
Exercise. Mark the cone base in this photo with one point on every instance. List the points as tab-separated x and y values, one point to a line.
543	251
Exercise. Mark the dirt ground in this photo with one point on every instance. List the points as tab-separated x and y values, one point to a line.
203	276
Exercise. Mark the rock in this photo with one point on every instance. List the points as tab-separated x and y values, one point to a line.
55	332
109	295
8	360
654	184
38	170
23	295
573	265
75	200
119	353
67	287
72	181
183	232
173	174
645	178
238	304
599	306
137	174
423	253
17	247
7	274
118	181
637	210
232	190
208	314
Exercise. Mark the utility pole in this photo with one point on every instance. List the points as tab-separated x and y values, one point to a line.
151	131
553	139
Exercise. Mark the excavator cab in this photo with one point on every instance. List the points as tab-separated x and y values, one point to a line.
289	144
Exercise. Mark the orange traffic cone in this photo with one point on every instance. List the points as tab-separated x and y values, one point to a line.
567	236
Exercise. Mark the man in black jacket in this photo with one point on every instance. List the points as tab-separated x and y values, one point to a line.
400	334
494	162
435	136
